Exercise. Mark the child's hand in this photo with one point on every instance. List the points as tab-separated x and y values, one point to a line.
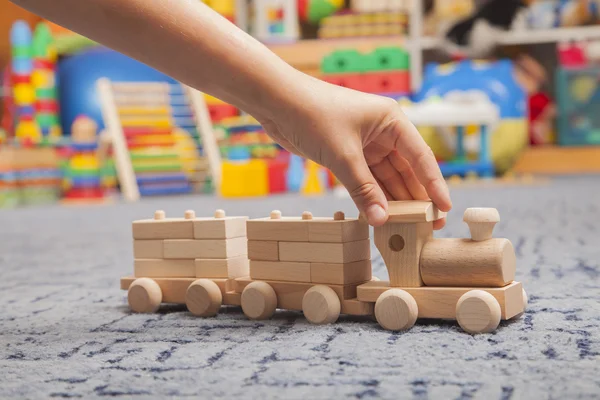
366	141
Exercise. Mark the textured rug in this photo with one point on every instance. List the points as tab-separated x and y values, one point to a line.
66	331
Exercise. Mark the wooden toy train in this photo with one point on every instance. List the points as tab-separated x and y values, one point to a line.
322	267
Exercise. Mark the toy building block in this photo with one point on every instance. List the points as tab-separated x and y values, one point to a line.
204	248
338	230
325	252
232	298
264	250
164	268
441	302
357	307
341	274
413	211
464	262
481	222
231	268
162	228
219	227
147	249
280	271
278	228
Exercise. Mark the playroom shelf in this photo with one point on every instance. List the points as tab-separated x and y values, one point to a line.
535	36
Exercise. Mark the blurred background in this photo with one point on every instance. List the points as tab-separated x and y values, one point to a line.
504	91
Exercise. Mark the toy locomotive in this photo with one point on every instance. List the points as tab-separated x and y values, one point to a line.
322	267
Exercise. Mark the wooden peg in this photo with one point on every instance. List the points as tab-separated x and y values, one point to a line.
339	216
275	214
159	214
189	214
481	222
307	215
220	213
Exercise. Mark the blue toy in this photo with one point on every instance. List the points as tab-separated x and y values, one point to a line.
77	76
295	173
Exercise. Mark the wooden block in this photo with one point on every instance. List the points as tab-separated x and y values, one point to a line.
440	302
148	249
284	229
280	271
234	267
464	262
412	211
325	252
400	247
164	268
356	307
232	299
205	248
332	231
219	228
290	294
264	250
341	274
163	228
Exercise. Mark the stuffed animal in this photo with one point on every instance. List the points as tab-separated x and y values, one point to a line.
476	36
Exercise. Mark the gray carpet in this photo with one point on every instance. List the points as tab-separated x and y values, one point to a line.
66	331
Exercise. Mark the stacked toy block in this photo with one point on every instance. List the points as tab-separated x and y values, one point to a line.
385	71
219	110
190	247
333	251
9	190
345	25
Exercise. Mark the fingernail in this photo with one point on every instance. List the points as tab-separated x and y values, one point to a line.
375	214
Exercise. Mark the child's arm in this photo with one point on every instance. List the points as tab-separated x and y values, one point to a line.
363	139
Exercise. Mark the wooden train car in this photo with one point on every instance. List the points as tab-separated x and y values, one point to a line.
322	266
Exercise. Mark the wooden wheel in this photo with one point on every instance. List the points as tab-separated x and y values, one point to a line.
477	311
321	305
396	310
259	300
203	298
525	303
144	295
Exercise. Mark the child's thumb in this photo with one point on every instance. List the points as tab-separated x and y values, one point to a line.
356	176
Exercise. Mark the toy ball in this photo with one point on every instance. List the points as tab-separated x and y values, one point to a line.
314	11
24	94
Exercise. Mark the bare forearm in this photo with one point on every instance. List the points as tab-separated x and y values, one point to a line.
186	40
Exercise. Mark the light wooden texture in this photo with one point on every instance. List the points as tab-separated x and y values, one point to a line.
290	294
203	298
144	296
306	55
205	248
162	228
280	271
555	160
356	307
232	299
341	274
440	302
219	228
481	222
231	268
164	268
396	310
478	312
259	301
148	249
110	115
321	305
400	247
325	252
290	229
174	289
413	211
332	231
205	130
464	262
264	250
